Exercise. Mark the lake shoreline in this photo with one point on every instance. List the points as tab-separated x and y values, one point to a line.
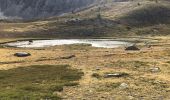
104	43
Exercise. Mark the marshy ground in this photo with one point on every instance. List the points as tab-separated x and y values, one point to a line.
139	79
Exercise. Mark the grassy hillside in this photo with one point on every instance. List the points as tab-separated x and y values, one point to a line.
130	18
148	16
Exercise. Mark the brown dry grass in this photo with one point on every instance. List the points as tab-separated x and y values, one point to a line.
142	83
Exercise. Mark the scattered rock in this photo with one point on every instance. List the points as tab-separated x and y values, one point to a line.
123	86
132	48
57	93
130	97
68	57
96	75
22	54
115	75
97	68
155	69
31	41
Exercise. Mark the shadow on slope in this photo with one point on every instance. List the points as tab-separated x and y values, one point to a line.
147	16
93	27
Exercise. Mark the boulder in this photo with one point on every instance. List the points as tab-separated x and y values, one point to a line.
119	74
155	69
22	54
30	41
132	48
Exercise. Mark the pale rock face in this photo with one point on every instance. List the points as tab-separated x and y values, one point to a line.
40	8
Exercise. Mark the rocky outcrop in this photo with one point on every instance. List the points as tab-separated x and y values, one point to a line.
40	8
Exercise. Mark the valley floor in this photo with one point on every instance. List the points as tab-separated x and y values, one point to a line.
142	80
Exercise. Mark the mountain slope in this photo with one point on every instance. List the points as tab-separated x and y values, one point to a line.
127	18
40	8
147	16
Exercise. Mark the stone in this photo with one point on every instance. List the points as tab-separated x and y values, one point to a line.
133	47
22	54
115	75
155	69
123	86
68	57
130	97
31	41
97	68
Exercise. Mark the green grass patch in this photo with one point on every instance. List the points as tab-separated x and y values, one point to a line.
36	82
